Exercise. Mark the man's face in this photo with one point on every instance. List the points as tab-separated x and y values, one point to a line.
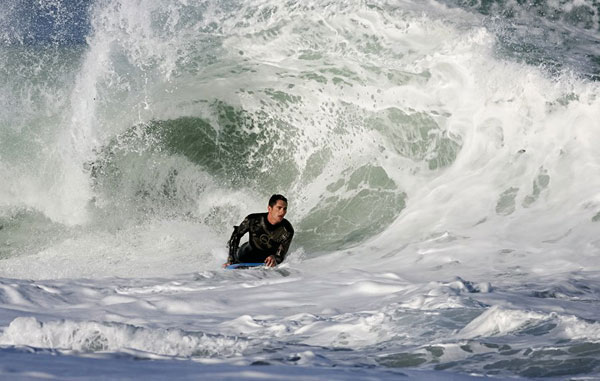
277	211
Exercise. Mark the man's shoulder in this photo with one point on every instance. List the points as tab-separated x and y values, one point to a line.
256	216
287	225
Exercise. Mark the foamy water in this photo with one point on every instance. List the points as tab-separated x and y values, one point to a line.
439	159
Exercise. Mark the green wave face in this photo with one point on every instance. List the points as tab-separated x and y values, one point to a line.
166	167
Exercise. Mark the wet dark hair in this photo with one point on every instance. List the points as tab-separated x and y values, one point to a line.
276	197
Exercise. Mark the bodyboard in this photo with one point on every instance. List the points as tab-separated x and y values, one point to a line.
241	266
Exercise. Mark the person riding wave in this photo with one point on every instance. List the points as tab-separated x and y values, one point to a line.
270	236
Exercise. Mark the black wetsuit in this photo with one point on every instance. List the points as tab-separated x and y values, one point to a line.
265	240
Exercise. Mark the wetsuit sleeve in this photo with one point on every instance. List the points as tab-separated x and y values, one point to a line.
283	249
234	241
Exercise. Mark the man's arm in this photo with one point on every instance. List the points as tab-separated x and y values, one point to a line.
279	256
234	241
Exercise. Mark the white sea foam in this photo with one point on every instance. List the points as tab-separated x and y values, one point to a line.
499	321
111	337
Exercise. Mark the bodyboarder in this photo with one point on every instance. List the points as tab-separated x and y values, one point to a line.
270	235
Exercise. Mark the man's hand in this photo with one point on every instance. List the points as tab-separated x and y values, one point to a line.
270	261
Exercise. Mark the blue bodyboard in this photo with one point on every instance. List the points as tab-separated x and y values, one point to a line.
240	266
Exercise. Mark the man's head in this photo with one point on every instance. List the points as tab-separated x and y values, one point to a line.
277	208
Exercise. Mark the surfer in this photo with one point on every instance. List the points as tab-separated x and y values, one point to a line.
270	236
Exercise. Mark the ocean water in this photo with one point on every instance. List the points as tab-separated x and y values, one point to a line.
439	159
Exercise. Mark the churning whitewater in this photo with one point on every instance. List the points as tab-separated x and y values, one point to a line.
439	158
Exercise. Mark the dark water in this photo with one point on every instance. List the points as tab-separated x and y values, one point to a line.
556	35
